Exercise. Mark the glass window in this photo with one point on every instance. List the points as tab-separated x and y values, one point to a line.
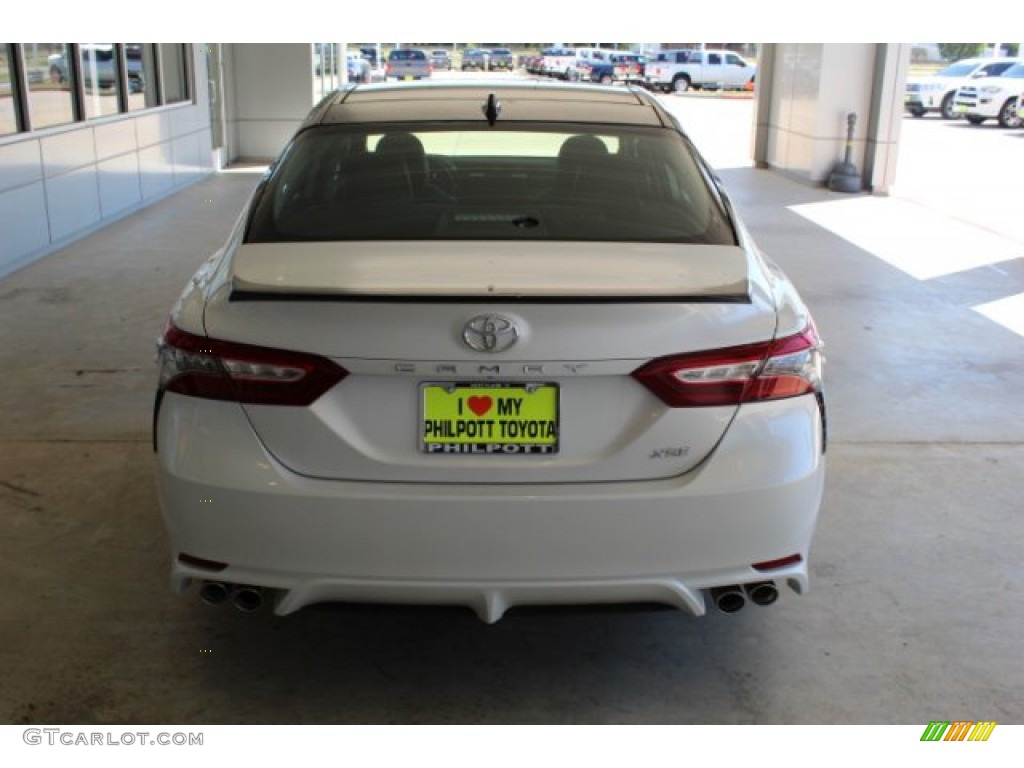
100	78
467	183
140	59
8	112
957	70
48	71
172	57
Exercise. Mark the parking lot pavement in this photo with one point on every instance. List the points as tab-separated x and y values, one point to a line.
972	173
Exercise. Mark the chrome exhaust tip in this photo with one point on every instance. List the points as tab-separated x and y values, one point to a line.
213	592
762	592
728	599
247	599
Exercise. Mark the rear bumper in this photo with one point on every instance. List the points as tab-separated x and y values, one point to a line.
225	498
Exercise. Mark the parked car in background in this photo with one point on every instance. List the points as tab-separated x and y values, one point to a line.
441	59
591	65
682	69
407	64
936	93
619	67
441	363
996	98
558	62
502	59
476	59
533	63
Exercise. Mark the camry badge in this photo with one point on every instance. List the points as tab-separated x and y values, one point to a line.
490	333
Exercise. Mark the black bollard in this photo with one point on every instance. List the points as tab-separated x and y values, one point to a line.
845	177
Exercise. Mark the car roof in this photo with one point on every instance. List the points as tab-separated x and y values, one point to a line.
528	101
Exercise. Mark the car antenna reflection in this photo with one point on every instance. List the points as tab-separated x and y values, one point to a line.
491	109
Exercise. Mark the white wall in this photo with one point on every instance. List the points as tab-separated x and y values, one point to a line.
59	184
270	92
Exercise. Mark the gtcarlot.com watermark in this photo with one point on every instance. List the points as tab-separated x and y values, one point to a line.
69	738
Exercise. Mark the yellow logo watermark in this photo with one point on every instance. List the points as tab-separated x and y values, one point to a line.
959	730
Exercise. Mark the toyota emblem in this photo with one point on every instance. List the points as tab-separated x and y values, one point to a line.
490	333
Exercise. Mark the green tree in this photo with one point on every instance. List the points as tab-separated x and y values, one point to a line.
956	51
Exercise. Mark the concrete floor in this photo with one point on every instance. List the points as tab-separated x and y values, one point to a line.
917	606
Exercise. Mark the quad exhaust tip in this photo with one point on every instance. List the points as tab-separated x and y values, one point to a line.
732	598
245	598
728	599
762	592
213	592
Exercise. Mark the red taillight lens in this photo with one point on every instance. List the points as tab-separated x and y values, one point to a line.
223	370
770	370
782	562
198	562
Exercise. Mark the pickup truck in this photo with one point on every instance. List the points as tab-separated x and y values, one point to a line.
476	58
502	58
682	69
407	64
617	68
558	62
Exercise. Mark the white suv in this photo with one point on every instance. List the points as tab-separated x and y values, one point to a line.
935	93
993	97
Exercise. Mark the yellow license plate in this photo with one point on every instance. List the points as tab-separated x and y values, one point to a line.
495	419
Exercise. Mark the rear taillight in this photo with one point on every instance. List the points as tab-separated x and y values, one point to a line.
223	370
770	370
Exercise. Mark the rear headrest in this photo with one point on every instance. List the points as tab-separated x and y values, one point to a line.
578	148
405	144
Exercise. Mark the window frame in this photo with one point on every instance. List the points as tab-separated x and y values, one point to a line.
20	91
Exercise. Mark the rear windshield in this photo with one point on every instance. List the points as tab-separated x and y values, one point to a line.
404	55
478	183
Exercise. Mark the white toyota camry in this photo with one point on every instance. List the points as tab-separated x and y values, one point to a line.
490	345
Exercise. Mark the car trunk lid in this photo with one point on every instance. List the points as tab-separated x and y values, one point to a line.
402	319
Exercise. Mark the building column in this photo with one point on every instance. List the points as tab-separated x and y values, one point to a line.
805	93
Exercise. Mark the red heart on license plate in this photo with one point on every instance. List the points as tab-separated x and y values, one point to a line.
479	404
